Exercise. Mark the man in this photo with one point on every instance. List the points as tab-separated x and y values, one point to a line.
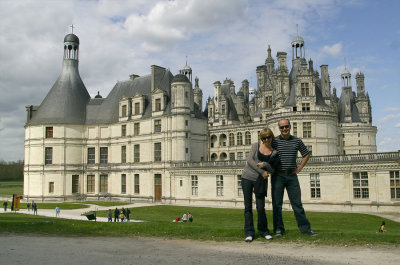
286	177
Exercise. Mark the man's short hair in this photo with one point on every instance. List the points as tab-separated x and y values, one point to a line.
284	120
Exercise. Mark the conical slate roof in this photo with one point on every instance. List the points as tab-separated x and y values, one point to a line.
66	101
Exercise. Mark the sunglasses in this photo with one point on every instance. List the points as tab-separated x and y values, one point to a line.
284	127
266	138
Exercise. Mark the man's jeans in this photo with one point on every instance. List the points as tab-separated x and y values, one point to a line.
262	224
280	181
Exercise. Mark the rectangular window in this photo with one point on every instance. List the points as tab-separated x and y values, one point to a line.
75	183
137	108
157	126
220	185
49	132
123	154
395	185
136	128
315	186
231	156
186	122
158	104
136	153
305	106
195	185
91	154
305	90
247	138
239	186
360	185
48	155
51	187
239	138
123	183
223	109
268	102
186	150
90	183
247	154
157	152
123	130
123	110
240	155
295	128
137	184
103	183
103	155
309	147
306	129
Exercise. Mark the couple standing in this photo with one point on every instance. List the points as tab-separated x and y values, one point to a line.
275	156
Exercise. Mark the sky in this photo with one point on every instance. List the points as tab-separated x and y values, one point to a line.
220	39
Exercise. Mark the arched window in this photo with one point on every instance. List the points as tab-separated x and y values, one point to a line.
247	138
239	138
222	140
231	139
214	157
223	156
213	141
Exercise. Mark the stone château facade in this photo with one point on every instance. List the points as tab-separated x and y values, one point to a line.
150	140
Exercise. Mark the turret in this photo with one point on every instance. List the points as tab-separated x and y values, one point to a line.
198	94
325	83
360	84
181	94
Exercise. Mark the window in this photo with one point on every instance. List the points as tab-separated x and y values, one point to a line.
157	126
220	185
239	139
223	122
268	102
90	183
247	154
123	110
157	152
186	94
239	186
91	154
186	123
49	132
137	184
123	130
315	185
305	106
360	185
231	156
186	135
187	150
231	139
247	138
48	155
309	147
123	154
181	182
158	104
136	153
395	185
306	129
123	183
294	128
195	185
137	108
51	187
103	183
136	128
103	155
75	183
223	109
240	155
305	90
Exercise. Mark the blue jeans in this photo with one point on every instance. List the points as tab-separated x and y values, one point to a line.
262	224
280	181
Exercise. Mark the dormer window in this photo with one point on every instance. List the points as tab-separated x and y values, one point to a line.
138	102
158	104
49	132
223	109
158	101
305	90
137	108
123	110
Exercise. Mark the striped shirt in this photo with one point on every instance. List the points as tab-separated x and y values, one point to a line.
287	149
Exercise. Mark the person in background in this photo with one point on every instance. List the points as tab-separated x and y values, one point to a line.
184	217
382	229
28	205
5	204
57	211
116	215
128	214
109	215
190	217
285	177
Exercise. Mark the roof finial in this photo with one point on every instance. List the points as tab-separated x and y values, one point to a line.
186	60
345	64
297	26
72	28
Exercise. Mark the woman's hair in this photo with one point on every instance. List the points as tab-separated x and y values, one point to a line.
266	132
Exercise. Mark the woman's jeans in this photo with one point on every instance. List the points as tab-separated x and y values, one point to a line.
262	224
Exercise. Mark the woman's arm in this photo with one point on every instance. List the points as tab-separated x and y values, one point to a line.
250	159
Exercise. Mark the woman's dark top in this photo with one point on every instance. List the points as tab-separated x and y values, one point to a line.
262	157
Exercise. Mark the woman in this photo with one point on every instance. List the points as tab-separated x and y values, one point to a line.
260	163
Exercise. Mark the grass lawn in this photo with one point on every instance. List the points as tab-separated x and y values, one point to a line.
211	224
11	187
62	205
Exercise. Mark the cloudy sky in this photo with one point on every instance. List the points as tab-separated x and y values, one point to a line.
221	39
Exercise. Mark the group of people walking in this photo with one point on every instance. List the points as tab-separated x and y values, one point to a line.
274	157
123	215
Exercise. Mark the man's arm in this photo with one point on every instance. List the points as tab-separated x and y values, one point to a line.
303	163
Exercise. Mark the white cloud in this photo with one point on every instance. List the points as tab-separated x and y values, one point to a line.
389	117
392	109
333	50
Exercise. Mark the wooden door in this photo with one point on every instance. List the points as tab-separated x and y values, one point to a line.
157	187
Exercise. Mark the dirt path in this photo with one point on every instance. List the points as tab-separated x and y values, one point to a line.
32	249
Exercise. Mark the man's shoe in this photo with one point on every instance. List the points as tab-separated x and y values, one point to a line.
249	239
268	237
311	233
278	233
